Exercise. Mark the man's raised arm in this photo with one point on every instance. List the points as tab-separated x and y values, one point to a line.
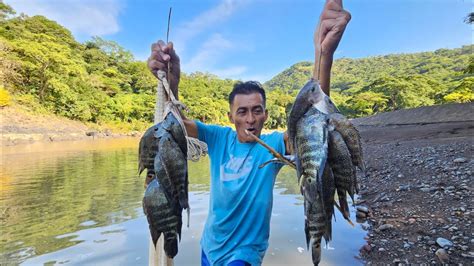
328	34
161	55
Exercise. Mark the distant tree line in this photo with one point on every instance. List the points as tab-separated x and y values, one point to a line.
44	68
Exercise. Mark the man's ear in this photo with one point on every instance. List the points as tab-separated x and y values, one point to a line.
229	115
266	115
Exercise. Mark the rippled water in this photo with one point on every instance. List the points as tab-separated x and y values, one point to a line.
80	203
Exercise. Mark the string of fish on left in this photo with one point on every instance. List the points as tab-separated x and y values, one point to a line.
327	153
163	153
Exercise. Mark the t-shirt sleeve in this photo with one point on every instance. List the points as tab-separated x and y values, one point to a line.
212	135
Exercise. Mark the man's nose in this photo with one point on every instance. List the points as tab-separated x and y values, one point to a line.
250	118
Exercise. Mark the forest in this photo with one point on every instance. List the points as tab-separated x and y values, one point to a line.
44	69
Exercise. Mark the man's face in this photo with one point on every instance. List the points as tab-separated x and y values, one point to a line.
247	112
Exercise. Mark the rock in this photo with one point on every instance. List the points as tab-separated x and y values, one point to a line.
363	209
464	248
404	188
411	220
366	248
460	160
361	215
442	242
442	255
381	249
384	227
428	189
91	133
406	246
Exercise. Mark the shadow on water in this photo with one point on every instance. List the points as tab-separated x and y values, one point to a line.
80	203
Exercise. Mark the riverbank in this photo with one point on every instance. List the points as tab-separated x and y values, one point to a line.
21	126
418	186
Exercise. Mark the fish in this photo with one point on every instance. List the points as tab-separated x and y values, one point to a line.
311	149
310	95
343	170
351	137
163	152
147	149
173	156
327	151
163	217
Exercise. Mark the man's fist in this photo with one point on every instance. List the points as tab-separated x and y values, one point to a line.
332	23
161	55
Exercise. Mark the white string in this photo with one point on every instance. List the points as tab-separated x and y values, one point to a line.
196	148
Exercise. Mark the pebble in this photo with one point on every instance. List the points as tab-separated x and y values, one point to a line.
442	255
406	246
403	188
442	242
384	227
361	215
381	249
366	248
363	209
411	220
460	160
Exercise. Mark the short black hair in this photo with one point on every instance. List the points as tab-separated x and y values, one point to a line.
247	87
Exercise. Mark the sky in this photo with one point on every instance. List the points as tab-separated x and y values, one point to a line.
257	39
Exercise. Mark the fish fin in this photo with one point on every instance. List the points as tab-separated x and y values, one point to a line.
155	235
341	194
306	231
188	211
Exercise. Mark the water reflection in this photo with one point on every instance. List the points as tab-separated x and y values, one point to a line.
80	203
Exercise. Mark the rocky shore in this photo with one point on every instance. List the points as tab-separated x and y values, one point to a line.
417	194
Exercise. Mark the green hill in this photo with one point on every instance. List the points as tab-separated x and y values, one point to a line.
384	83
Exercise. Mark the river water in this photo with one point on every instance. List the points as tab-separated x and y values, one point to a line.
80	203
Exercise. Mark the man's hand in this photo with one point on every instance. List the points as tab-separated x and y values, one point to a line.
161	55
328	34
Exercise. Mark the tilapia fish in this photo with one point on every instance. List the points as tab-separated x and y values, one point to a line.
328	150
163	152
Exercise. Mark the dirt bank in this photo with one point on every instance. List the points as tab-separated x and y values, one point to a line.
19	126
418	187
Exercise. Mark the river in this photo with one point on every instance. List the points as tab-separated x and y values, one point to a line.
79	202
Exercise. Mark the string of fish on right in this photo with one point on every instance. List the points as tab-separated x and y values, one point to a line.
327	153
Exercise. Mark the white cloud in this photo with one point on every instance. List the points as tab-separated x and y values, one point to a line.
89	17
205	20
209	53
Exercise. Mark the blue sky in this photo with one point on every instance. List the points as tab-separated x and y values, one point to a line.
257	39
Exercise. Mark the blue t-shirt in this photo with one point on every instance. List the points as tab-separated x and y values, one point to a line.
240	205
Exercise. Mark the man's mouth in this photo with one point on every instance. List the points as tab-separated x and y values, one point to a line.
251	130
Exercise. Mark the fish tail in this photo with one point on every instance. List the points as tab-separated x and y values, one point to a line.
316	251
171	244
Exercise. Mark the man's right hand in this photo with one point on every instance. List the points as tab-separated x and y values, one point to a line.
161	55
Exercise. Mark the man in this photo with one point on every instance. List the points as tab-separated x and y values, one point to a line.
238	224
